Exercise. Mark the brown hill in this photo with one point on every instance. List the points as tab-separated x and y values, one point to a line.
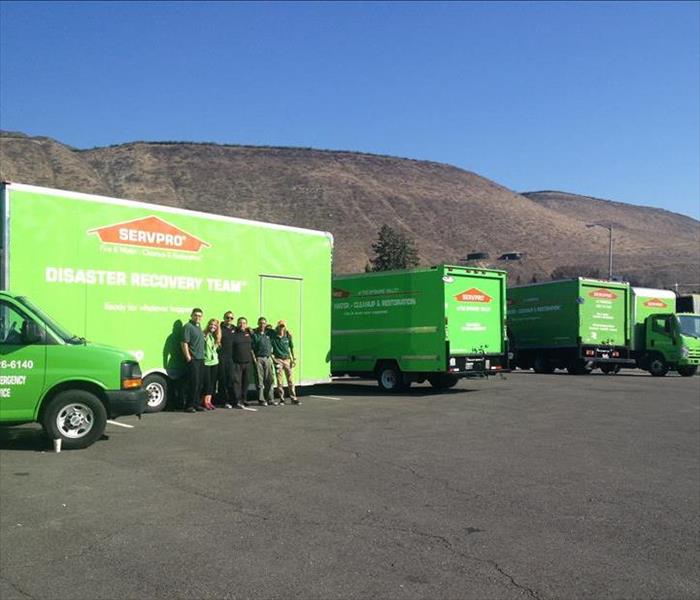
449	211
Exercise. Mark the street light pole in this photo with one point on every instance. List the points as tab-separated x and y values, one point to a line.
609	227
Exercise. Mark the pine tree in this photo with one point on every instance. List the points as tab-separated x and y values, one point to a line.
393	250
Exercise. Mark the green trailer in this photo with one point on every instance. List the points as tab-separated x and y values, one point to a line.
437	324
663	340
577	324
128	274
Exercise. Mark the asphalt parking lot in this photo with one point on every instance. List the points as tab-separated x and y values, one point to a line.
533	486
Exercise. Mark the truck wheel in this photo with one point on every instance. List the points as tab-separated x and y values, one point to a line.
578	367
609	369
157	387
658	366
390	378
687	371
542	366
76	417
443	381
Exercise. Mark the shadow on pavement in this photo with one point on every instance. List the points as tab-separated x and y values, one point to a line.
365	387
27	438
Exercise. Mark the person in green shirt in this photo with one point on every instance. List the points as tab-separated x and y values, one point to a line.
193	350
264	367
212	341
284	360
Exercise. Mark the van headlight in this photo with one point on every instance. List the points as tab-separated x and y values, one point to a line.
684	352
130	375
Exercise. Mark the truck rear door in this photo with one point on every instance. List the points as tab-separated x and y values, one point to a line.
474	311
603	315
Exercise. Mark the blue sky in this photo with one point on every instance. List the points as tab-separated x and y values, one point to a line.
601	99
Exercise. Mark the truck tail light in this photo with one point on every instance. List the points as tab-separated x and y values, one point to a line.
590	352
131	375
616	354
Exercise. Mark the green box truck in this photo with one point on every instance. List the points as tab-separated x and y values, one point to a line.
128	274
436	324
577	324
58	379
661	339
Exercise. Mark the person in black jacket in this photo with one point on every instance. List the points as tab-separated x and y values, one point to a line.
226	396
242	352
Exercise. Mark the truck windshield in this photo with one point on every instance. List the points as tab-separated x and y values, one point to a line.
690	325
61	332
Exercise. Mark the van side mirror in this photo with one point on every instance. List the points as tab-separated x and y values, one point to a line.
32	332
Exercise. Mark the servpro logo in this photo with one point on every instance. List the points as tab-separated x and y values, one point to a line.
473	295
149	232
656	303
338	293
601	293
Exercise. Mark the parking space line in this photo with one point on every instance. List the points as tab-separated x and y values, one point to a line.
120	424
326	397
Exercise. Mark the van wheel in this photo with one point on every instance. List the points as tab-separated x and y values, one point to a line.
157	387
76	417
542	366
390	378
443	381
609	369
687	371
658	366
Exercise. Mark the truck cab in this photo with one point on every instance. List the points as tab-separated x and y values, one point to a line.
672	342
69	385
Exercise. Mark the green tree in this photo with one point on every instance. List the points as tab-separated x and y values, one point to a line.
393	250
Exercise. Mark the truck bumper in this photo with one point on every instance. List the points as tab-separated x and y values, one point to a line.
619	355
126	402
467	366
477	366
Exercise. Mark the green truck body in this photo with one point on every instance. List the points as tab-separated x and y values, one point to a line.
576	324
128	274
438	323
663	340
56	378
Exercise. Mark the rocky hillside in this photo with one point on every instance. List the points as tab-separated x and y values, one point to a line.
448	211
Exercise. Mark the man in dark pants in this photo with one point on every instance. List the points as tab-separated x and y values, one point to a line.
228	329
193	349
242	348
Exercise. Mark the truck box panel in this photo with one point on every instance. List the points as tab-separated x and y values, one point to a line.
73	254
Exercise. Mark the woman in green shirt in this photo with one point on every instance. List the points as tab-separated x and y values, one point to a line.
212	341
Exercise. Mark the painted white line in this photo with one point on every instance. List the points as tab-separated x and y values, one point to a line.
325	397
120	424
249	408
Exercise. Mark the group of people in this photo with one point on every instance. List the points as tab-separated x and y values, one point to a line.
224	358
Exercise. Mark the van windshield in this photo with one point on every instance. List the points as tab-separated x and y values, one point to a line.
60	331
690	325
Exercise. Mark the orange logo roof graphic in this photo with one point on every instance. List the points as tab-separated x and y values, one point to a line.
149	232
656	303
603	293
473	295
338	293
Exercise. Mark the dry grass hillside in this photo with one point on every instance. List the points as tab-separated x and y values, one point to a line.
448	211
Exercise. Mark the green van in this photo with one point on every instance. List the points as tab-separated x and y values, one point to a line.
67	384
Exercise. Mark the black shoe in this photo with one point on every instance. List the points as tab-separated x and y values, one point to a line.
200	408
239	406
262	403
190	409
281	401
297	402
